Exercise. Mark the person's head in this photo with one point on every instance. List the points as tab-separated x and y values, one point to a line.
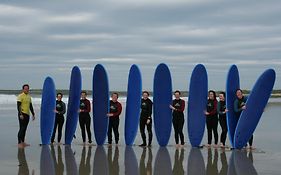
222	96
25	88
83	95
239	93
59	96
177	94
212	95
114	96
145	95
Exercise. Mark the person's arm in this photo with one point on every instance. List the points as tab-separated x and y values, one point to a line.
19	108
236	107
88	106
119	110
63	109
214	110
218	109
182	106
31	109
149	109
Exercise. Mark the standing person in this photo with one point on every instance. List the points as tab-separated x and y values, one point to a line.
178	117
212	118
60	111
84	117
239	106
145	118
114	112
24	106
222	118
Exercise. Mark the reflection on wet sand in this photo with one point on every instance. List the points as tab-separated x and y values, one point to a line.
51	162
178	166
146	169
23	166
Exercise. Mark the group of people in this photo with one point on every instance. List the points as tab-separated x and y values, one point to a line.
215	113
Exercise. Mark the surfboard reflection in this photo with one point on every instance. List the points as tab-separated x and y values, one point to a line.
85	167
162	163
131	163
100	161
195	163
146	168
46	161
70	163
58	162
243	162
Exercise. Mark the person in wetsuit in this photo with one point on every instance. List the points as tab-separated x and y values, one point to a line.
222	118
212	118
178	106
239	106
24	107
145	118
114	112
85	118
59	120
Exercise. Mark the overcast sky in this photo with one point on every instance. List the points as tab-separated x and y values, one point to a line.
47	38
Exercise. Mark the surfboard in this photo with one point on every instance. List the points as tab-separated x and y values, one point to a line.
197	101
47	113
162	164
70	162
133	104
232	84
100	161
131	163
100	103
195	163
46	161
255	105
73	104
162	98
243	163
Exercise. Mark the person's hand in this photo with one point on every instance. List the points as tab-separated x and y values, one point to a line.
225	111
244	107
147	121
172	107
207	113
21	117
109	115
55	111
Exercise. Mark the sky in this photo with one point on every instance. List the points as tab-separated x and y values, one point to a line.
47	38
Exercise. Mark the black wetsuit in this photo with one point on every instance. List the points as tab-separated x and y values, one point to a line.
212	120
85	119
115	109
146	111
238	104
222	121
60	107
178	119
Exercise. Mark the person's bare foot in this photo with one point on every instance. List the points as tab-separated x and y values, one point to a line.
20	145
208	145
216	145
252	148
25	144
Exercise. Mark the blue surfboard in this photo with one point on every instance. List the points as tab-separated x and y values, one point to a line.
162	98
232	84
47	165
130	162
162	164
73	104
47	114
197	101
100	103
255	105
133	104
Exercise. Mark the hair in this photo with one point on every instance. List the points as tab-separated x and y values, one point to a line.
25	86
239	90
84	92
177	91
223	93
115	94
213	93
145	92
60	94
